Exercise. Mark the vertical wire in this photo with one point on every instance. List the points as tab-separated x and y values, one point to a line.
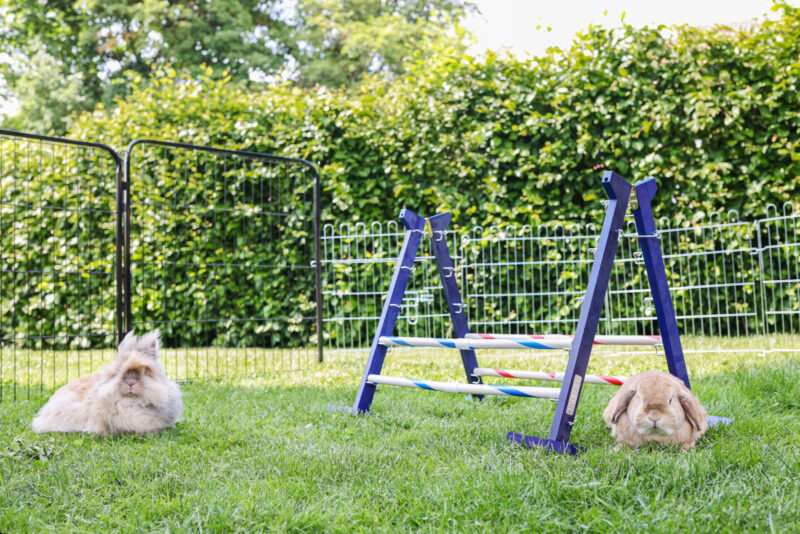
793	275
262	209
786	299
789	279
729	312
714	234
3	268
90	214
28	267
685	273
187	257
696	277
226	213
45	239
14	197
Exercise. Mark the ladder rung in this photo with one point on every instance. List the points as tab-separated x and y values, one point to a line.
598	340
556	377
472	389
463	343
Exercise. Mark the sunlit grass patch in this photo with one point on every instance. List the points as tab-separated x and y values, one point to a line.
263	453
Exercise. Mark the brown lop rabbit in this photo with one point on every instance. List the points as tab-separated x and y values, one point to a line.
655	407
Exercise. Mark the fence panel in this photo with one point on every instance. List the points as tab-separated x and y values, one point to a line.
58	250
526	280
358	262
223	258
780	267
532	280
713	272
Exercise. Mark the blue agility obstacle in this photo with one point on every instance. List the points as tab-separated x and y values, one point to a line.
622	195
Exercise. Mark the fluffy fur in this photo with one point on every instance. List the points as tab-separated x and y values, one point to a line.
655	407
132	395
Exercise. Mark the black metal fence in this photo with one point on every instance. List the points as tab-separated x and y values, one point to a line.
59	243
219	249
223	257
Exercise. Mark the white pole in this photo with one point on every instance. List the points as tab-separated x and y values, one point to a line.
598	340
472	389
463	343
556	377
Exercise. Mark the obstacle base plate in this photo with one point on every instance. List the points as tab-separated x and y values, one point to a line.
714	420
550	445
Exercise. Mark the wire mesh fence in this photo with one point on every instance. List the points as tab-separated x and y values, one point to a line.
221	250
58	253
218	249
727	277
358	261
222	255
778	261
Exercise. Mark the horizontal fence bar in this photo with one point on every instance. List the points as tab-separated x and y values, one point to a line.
467	389
554	377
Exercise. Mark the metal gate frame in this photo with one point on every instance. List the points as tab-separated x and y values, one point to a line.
119	199
125	216
123	319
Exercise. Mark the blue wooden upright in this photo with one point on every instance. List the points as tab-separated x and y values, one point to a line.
415	228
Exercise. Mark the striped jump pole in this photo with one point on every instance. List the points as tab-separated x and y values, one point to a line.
554	377
471	343
598	340
469	389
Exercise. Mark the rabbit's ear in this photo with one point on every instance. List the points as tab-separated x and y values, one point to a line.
128	343
148	343
622	404
690	407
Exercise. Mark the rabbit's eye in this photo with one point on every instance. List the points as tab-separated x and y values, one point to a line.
670	400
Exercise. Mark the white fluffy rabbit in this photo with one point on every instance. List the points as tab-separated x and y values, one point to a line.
132	395
655	407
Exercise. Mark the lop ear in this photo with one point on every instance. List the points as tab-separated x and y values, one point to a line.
622	404
691	407
148	344
128	343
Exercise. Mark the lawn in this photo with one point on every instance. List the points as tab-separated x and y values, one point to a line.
266	454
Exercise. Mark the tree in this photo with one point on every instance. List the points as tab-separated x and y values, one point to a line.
97	44
338	42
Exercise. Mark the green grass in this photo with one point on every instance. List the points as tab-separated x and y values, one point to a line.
267	455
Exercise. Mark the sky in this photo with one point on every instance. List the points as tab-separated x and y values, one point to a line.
512	24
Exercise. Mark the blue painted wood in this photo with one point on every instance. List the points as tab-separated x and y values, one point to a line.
448	277
618	190
657	276
415	226
550	445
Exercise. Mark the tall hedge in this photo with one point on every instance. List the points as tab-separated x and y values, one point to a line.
712	113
